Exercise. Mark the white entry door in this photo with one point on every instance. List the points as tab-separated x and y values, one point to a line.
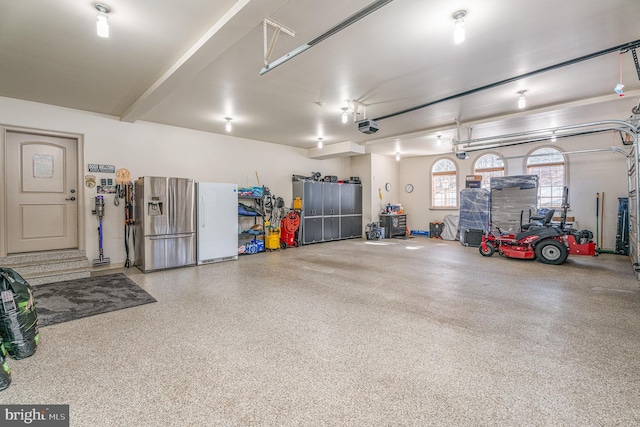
41	188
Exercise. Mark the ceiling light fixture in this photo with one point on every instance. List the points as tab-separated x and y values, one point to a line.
554	138
228	126
352	107
345	115
522	100
102	26
398	156
458	27
439	140
319	142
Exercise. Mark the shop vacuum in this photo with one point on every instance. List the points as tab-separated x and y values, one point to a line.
99	210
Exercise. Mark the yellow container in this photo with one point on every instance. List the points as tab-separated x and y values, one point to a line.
272	241
297	204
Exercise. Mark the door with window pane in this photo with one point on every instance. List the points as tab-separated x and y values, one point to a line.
41	192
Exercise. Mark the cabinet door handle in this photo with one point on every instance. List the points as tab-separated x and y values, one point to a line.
71	198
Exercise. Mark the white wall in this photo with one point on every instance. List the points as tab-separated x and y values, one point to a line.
384	170
375	171
152	149
361	167
588	174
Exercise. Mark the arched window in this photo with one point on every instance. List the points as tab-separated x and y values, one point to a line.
488	165
549	164
444	186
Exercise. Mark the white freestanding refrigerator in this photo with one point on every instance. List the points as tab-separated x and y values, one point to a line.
217	219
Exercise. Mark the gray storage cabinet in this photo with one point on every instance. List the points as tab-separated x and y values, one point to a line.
350	226
394	225
350	199
330	211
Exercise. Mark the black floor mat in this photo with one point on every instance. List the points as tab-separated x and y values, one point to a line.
75	299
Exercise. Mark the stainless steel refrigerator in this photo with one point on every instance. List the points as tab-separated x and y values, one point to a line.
164	223
217	216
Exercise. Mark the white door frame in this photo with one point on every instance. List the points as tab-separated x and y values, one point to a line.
3	191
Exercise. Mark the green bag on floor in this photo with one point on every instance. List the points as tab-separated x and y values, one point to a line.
18	318
5	372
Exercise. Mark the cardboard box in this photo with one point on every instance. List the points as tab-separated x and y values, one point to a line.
474	177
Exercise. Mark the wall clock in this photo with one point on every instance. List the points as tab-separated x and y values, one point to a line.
408	188
387	186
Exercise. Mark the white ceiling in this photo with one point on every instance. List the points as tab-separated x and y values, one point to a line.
192	63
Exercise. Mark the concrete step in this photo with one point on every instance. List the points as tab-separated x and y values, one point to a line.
57	276
39	268
38	257
52	265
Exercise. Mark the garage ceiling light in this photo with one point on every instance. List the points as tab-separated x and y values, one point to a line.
345	114
522	100
458	28
102	26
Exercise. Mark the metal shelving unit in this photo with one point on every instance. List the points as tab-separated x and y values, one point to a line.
257	203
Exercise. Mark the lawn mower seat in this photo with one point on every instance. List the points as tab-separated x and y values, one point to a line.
540	232
539	220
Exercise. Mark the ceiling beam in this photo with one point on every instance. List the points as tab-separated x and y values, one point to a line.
241	19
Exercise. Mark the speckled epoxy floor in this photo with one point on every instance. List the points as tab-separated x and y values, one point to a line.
412	332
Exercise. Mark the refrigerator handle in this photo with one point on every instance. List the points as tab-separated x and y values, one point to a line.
202	209
172	217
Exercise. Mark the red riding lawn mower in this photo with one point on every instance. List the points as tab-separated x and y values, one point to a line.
540	240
